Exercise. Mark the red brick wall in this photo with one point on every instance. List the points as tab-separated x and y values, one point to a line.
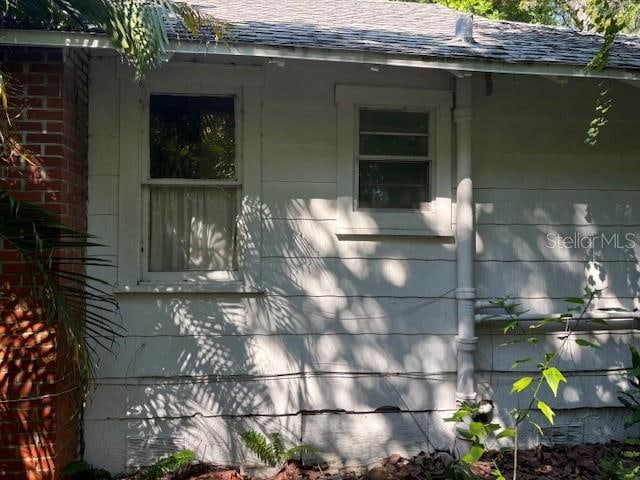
38	395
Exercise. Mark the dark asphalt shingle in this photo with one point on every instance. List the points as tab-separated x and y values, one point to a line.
414	29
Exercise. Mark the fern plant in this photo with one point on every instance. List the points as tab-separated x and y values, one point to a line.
271	450
174	463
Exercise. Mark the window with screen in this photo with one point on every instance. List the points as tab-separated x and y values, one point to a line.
393	159
193	187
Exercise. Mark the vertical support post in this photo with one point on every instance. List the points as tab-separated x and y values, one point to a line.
465	243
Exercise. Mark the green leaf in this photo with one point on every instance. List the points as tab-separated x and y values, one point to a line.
586	343
498	475
577	300
533	340
635	356
538	428
301	452
546	411
271	450
478	430
632	419
521	384
506	433
259	444
626	398
79	304
138	30
510	326
520	362
276	444
545	321
630	395
519	415
174	463
458	416
456	471
553	376
474	454
76	468
492	427
599	321
626	403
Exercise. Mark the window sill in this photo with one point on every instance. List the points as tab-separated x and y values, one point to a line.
435	222
399	232
187	287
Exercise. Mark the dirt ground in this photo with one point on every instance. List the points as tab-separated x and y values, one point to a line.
580	462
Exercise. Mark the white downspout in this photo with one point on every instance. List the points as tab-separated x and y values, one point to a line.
465	243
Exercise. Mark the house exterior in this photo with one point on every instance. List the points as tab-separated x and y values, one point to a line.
309	218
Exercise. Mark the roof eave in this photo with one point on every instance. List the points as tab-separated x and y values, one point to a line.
98	41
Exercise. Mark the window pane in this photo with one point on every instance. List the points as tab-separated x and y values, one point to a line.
381	196
192	137
403	173
405	145
393	184
192	229
393	121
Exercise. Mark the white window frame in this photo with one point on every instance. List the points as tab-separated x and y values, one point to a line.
435	218
148	182
241	83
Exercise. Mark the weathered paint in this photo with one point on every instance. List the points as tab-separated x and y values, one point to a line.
346	325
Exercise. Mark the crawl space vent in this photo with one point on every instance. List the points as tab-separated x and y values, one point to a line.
569	434
144	451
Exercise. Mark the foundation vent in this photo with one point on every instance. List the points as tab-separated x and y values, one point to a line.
144	451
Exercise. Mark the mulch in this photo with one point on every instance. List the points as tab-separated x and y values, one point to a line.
560	462
208	471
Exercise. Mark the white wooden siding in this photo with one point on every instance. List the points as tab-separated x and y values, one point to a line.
348	325
536	179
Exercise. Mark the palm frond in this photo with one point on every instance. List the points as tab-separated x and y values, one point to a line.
137	29
76	302
80	303
4	96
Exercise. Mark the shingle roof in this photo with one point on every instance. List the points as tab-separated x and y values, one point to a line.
415	29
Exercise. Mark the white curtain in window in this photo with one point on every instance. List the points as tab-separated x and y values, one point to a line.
192	229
